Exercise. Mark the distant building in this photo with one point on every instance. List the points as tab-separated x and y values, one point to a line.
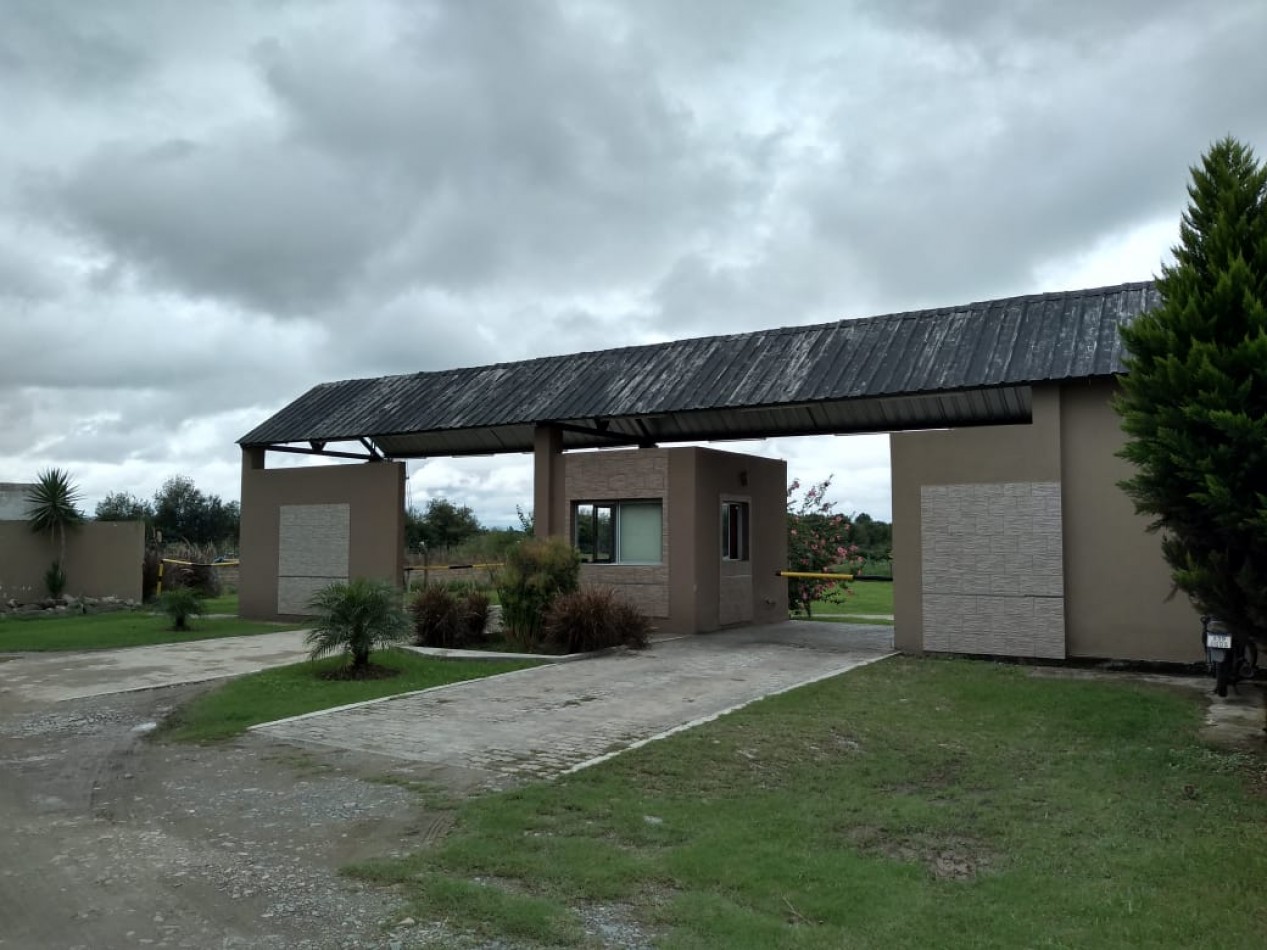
13	502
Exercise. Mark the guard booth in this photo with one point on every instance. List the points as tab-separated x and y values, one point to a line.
693	537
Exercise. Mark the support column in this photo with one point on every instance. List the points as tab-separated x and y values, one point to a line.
548	497
257	543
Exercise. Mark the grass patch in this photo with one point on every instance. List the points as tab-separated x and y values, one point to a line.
224	604
865	597
110	631
913	803
299	688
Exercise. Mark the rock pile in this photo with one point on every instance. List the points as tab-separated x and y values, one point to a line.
69	605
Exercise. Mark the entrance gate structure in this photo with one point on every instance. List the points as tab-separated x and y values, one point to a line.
1010	534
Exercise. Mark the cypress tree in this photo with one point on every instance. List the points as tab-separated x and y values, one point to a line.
1194	400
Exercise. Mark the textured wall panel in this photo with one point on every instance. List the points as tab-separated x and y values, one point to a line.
992	567
312	551
294	593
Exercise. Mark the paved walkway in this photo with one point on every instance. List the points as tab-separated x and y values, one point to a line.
53	677
552	719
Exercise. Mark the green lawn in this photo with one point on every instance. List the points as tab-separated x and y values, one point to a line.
118	629
224	604
293	690
913	803
864	597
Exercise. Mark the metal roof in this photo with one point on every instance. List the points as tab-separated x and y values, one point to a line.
967	365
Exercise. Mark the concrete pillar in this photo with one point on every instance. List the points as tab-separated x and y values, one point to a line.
252	458
548	497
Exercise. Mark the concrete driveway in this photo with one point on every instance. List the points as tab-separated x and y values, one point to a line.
559	718
55	677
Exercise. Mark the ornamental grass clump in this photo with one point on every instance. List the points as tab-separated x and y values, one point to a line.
594	619
536	572
449	617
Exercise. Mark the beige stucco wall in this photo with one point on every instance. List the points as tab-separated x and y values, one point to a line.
1014	455
1116	581
305	527
692	590
736	592
103	559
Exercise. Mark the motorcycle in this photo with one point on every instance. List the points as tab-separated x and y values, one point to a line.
1228	657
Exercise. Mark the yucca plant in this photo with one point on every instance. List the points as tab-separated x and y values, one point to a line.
52	506
354	617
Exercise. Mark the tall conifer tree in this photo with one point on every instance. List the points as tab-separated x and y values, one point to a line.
1194	400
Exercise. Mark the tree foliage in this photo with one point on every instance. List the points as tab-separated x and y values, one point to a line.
180	510
873	538
441	524
1194	402
818	539
183	512
124	506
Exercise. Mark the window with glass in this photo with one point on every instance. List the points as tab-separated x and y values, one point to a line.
618	532
734	531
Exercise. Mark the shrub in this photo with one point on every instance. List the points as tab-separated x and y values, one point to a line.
594	619
475	612
535	573
55	580
817	542
438	620
180	604
449	616
149	573
354	617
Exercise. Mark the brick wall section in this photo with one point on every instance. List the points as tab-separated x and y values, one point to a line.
992	567
624	476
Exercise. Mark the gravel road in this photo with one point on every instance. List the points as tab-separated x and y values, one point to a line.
114	840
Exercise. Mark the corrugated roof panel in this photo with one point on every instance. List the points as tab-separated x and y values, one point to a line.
1010	343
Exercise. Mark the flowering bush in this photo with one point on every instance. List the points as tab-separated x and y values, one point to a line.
817	541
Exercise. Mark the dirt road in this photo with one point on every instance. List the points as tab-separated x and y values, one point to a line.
111	840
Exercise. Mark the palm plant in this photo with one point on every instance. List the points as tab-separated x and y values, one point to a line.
354	617
52	506
180	604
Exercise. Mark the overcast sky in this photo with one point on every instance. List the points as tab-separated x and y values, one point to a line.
207	208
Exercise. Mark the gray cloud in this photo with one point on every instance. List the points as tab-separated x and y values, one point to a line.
206	209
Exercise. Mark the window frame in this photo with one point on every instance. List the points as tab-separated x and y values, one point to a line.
615	508
736	511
